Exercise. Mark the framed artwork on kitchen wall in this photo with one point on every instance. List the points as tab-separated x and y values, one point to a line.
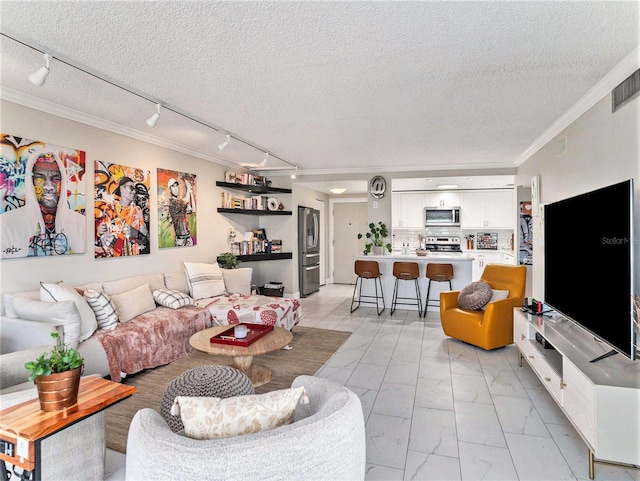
525	251
42	199
177	225
121	210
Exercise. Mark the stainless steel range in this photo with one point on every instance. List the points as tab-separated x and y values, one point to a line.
443	244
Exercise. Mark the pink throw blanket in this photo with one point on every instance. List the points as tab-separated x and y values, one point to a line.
152	339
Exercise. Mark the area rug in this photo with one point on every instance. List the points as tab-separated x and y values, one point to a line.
311	348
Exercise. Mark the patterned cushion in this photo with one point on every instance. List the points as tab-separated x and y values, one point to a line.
133	303
103	307
213	380
205	280
50	292
211	418
172	299
475	295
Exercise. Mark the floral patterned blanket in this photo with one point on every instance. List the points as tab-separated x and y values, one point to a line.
152	339
257	309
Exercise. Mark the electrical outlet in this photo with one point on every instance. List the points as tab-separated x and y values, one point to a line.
375	204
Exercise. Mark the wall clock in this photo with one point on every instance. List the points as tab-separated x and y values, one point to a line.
377	187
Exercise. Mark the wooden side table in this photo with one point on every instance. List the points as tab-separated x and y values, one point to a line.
23	426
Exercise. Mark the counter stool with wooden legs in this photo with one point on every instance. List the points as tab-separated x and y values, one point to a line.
367	270
437	273
406	271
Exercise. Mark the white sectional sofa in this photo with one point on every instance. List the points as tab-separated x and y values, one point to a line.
144	333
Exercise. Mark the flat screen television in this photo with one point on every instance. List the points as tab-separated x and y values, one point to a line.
588	272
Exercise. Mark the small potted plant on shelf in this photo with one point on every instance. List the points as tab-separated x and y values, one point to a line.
376	236
227	260
57	375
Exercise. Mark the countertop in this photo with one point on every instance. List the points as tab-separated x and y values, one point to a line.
431	256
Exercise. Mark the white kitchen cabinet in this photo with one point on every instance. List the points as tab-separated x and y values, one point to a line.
442	199
487	209
407	210
481	259
600	399
509	259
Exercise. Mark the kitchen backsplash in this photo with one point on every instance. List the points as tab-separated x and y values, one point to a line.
411	236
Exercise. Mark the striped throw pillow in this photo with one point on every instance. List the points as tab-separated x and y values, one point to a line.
172	299
103	308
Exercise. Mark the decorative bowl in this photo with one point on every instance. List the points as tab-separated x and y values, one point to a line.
421	252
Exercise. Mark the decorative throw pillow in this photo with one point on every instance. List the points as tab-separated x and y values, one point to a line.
133	303
176	280
496	295
475	295
238	281
205	280
172	299
63	312
212	417
56	292
103	308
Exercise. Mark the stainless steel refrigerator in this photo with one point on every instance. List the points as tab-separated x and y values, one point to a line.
308	250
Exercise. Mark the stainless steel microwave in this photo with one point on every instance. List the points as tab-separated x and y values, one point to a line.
442	216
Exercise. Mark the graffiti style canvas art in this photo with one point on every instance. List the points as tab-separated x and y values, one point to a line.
176	209
42	199
121	210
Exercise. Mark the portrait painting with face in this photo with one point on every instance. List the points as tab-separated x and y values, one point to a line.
176	209
42	199
121	210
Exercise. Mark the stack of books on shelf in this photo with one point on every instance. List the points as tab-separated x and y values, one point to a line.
276	246
245	179
257	202
245	248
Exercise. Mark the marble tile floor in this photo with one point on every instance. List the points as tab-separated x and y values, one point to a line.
438	409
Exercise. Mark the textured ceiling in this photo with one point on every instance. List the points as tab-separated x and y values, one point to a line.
333	87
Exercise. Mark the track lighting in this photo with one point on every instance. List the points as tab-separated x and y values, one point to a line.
40	76
265	160
295	172
224	144
153	120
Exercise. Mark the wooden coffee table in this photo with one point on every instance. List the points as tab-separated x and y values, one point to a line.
243	356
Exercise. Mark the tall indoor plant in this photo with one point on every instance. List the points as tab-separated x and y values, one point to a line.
57	375
375	238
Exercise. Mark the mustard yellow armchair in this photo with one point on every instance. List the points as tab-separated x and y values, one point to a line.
492	327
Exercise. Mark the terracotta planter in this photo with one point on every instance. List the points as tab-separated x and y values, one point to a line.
58	390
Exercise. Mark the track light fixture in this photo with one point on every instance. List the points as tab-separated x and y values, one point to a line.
224	144
40	76
295	172
265	160
153	120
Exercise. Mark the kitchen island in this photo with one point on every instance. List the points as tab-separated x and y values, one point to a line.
462	268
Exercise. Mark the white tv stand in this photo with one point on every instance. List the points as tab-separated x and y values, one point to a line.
600	399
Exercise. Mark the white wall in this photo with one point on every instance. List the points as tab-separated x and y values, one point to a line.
603	148
25	273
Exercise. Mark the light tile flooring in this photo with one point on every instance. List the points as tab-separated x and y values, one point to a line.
439	409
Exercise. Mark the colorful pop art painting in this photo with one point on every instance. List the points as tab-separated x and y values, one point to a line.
176	209
121	210
42	199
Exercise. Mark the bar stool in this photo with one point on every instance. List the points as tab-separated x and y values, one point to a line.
368	270
438	273
406	271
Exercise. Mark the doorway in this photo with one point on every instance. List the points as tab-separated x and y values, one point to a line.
349	219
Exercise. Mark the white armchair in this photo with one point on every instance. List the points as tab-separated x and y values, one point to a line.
325	442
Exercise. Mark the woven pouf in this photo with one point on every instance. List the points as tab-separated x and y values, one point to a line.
204	381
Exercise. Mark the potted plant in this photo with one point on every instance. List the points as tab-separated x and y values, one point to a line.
227	260
376	236
57	375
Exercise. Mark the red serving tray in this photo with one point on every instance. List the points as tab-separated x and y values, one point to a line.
256	331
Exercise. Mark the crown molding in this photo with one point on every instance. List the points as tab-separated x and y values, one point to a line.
29	101
603	88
